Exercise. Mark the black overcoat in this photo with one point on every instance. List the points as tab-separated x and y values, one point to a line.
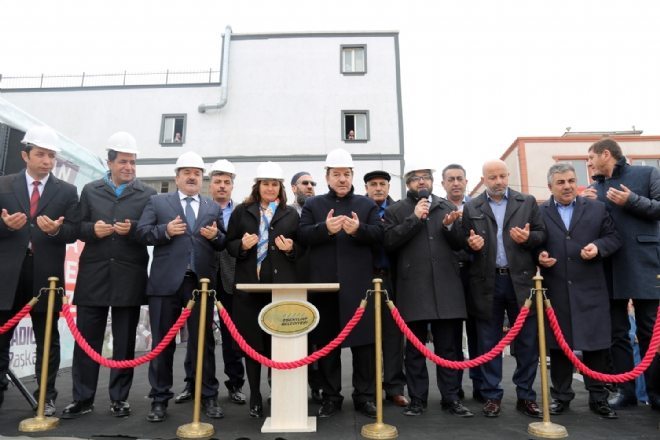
343	259
113	269
577	287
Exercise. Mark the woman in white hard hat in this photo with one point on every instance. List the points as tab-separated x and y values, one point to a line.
261	236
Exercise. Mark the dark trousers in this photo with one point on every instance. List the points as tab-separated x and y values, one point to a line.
471	333
231	357
561	374
444	333
91	322
23	295
394	379
621	350
163	313
525	346
364	383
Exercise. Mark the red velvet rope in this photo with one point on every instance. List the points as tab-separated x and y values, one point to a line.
16	319
127	363
613	378
471	363
290	364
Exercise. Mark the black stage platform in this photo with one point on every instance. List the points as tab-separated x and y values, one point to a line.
637	423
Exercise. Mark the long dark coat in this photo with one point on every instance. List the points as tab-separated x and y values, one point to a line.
113	269
477	215
341	259
577	287
636	265
59	198
278	267
427	282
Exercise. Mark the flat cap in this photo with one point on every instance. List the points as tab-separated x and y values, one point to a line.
379	174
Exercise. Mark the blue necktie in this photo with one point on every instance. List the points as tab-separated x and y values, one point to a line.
190	220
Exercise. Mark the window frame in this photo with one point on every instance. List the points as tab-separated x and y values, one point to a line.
344	134
341	58
166	116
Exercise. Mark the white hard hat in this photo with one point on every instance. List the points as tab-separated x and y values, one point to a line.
122	142
42	136
417	165
190	159
222	166
269	170
339	158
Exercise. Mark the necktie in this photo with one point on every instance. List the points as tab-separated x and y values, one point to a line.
34	198
190	213
262	245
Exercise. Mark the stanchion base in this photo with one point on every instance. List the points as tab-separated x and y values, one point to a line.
36	424
379	431
547	430
195	430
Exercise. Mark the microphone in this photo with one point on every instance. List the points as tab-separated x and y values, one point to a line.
423	194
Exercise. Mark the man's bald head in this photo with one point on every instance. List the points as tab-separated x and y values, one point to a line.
495	175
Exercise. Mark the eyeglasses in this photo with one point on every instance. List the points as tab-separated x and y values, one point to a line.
418	178
307	182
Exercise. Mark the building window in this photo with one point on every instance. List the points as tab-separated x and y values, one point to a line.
173	130
355	125
354	59
648	161
164	187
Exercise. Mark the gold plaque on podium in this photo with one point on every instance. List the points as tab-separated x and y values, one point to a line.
288	318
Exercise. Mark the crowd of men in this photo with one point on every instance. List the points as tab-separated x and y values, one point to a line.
449	263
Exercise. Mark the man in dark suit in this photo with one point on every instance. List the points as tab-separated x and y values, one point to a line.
112	273
632	197
503	228
183	228
221	186
377	187
580	234
39	217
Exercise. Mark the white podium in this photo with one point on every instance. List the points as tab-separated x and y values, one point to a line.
289	406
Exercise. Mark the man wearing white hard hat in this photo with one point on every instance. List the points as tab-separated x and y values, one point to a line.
222	175
112	274
185	229
39	216
341	228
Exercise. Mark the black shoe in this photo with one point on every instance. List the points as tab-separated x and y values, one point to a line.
317	396
212	408
120	408
478	397
366	408
76	409
654	401
184	396
236	396
603	409
257	411
558	407
529	408
416	408
461	393
492	408
158	412
329	408
457	408
620	400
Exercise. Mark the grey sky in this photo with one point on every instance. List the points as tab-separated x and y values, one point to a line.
475	74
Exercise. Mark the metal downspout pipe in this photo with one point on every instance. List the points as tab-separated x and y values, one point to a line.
224	76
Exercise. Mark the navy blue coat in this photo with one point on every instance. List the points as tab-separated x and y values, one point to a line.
172	255
577	287
636	265
342	259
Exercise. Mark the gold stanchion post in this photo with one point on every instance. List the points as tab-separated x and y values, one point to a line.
544	429
41	422
196	429
379	430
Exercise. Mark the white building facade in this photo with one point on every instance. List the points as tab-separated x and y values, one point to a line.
289	98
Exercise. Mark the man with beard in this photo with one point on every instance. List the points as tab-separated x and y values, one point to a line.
341	228
302	186
503	228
